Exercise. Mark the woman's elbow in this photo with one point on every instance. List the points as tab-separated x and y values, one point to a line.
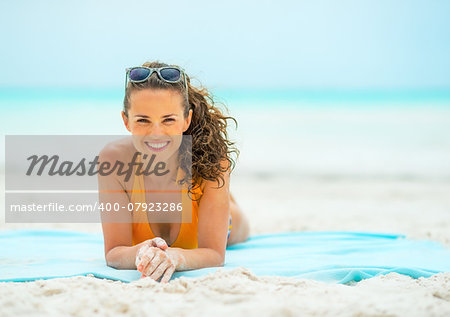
111	262
219	263
220	259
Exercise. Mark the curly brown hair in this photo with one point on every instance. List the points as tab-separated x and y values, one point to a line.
211	147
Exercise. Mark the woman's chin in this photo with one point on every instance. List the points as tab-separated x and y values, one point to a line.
158	156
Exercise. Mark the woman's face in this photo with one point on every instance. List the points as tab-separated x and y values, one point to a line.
156	121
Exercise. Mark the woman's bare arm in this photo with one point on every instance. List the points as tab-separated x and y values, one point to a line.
119	252
212	229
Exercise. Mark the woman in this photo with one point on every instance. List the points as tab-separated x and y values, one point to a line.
160	104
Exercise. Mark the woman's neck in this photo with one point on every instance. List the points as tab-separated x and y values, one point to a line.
161	174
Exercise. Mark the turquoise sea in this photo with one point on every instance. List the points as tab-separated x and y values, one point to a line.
314	134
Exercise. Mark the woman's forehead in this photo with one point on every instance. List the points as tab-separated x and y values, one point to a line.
155	101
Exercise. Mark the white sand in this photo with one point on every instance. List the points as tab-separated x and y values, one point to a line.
228	294
419	209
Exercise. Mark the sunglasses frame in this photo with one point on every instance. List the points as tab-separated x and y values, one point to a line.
158	71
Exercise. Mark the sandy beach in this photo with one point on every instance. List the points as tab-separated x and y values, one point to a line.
374	168
342	116
416	209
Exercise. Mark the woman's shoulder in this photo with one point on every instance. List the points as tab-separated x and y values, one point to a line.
118	150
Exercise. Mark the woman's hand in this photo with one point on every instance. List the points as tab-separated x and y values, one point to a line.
154	260
155	242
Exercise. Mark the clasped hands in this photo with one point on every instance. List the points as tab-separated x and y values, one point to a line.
153	260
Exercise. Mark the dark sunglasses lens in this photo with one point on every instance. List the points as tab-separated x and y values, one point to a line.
138	74
171	74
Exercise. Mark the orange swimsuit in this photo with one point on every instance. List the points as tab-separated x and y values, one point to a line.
141	230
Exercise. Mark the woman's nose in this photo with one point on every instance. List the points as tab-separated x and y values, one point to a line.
157	129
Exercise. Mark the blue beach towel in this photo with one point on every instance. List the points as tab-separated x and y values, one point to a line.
335	257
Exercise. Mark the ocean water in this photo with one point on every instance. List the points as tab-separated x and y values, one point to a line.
323	135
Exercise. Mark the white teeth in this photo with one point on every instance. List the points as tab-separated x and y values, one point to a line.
157	145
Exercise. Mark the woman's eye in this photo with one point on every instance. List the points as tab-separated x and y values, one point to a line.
169	120
142	120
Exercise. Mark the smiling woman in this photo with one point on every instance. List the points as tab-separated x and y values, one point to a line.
161	109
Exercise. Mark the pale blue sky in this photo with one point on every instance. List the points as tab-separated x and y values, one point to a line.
303	44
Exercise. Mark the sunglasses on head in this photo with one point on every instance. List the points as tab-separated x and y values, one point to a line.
170	74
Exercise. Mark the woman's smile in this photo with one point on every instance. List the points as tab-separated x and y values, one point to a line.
157	146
